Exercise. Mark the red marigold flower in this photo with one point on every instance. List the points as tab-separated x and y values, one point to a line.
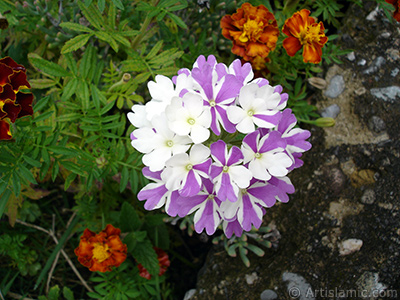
304	32
100	252
396	4
14	104
163	262
253	30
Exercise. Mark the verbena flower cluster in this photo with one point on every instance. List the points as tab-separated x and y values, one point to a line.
217	143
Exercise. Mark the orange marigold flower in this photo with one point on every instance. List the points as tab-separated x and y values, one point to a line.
14	104
100	252
253	30
163	262
396	4
304	32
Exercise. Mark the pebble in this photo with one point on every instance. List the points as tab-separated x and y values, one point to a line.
368	197
350	246
362	62
376	65
394	72
376	124
189	294
298	287
331	111
370	285
251	278
351	56
386	93
373	14
268	295
336	86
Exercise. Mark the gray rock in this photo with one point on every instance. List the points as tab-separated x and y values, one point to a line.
268	295
350	246
331	111
298	287
387	93
368	197
189	294
373	14
371	288
394	72
375	66
336	86
376	124
251	278
351	56
362	62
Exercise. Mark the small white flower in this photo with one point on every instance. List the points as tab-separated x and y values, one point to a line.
188	116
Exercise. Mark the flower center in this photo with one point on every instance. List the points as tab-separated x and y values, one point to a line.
257	155
189	167
250	113
191	121
225	169
310	34
169	143
101	252
251	29
212	103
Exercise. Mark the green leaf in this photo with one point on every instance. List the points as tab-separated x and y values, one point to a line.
3	200
67	293
129	33
86	61
76	43
75	27
69	165
42	83
119	38
83	94
133	65
129	219
106	108
92	14
145	255
47	67
43	116
71	177
41	103
16	184
118	4
101	4
32	162
69	89
26	174
54	293
105	36
155	50
69	117
166	58
63	151
57	249
124	179
178	21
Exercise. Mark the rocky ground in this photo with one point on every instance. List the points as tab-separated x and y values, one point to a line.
340	232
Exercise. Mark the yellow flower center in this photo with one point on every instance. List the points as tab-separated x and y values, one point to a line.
191	121
310	35
251	29
101	252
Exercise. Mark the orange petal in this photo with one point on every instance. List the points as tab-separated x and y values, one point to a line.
312	53
296	23
291	45
111	230
257	49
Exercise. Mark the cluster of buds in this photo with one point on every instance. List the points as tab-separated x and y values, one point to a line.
254	33
15	100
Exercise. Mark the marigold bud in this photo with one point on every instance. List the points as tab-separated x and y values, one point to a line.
325	122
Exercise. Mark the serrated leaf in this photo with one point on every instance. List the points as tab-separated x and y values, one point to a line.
118	4
86	62
69	165
177	20
145	255
133	65
47	67
69	89
63	151
154	50
106	108
130	33
92	14
32	162
43	116
69	117
124	179
105	36
67	293
41	103
43	83
142	77
76	43
166	58
101	4
129	219
121	39
82	93
75	27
